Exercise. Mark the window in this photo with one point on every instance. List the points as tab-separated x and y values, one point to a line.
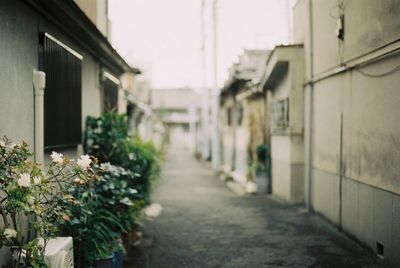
280	113
110	93
63	93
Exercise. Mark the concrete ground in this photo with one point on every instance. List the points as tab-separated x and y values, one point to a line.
204	224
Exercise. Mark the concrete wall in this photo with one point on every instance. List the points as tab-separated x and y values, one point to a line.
227	132
19	56
355	130
241	153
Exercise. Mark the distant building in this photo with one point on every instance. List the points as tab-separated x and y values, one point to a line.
97	12
283	83
179	110
243	115
138	109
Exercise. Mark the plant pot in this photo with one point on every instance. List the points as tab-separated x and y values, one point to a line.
134	233
118	259
104	263
263	183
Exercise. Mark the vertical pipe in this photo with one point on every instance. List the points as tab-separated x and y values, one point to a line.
205	93
340	170
215	106
39	83
309	101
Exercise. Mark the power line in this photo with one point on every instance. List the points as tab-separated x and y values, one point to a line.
392	71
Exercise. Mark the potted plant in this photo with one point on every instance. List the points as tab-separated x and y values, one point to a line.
262	169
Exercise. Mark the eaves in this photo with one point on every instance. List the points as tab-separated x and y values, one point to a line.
69	18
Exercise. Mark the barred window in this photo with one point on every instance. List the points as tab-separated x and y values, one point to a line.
280	113
63	93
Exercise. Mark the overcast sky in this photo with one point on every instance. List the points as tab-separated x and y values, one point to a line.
163	37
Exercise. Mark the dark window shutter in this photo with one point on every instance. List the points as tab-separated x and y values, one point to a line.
63	94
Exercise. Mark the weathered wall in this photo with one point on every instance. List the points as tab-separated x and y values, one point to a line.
91	92
241	143
257	124
371	132
369	24
355	130
227	132
326	45
19	56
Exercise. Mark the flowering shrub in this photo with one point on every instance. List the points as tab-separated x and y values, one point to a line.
27	189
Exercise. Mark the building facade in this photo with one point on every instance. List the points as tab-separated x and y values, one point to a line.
243	116
179	111
283	82
57	68
352	58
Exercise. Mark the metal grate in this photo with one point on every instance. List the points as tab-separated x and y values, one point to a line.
280	114
63	93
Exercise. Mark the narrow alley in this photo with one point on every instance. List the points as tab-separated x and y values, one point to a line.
204	224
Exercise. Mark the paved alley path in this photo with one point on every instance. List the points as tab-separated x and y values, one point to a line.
204	224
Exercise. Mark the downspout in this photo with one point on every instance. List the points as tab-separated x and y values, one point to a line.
309	100
39	84
234	120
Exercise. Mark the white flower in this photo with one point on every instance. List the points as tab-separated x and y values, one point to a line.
24	180
126	201
77	180
37	180
57	158
13	145
10	233
84	161
2	143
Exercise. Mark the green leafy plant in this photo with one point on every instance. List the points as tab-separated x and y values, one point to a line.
117	189
106	137
262	163
100	212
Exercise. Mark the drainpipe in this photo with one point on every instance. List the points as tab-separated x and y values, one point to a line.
39	83
309	100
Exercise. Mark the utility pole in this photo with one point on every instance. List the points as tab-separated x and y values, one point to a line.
205	94
289	21
215	107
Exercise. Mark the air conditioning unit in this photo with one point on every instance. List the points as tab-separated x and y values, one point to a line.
59	252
